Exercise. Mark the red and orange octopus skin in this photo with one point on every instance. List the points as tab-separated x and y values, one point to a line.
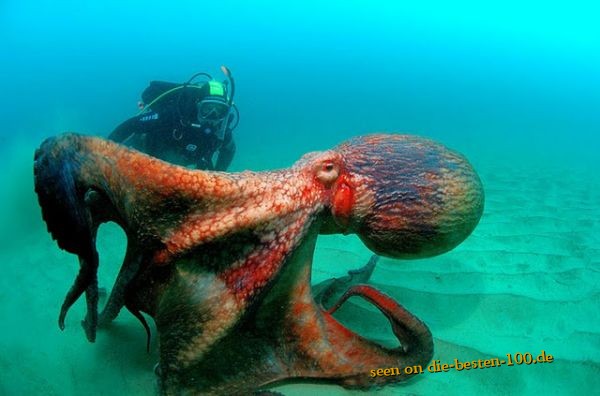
222	261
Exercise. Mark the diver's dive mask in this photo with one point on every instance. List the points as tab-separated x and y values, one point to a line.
212	109
215	114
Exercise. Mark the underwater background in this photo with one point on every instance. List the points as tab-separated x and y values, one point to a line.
513	86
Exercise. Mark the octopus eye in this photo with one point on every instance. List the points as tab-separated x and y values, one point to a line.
327	173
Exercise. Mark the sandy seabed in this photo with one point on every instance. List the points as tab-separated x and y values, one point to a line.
527	280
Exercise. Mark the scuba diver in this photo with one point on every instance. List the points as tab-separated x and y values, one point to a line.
185	124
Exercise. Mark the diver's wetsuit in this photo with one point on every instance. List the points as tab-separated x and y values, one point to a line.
170	131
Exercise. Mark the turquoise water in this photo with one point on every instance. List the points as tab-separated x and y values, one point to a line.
514	87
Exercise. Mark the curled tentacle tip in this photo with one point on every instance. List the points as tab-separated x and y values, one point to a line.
61	320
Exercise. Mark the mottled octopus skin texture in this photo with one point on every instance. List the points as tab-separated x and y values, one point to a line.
222	261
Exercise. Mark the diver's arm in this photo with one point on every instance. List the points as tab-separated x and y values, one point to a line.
126	130
226	153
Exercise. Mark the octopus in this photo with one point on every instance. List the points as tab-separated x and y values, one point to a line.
222	262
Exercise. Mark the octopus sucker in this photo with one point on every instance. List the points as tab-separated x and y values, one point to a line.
222	262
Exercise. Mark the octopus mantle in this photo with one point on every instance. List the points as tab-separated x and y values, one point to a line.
222	261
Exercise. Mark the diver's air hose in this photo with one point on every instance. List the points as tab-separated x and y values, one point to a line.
186	85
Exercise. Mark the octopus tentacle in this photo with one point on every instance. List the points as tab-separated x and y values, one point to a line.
69	222
356	356
414	336
84	282
135	312
116	300
331	290
318	346
90	322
